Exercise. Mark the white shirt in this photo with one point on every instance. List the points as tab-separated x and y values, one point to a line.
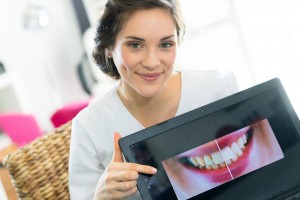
91	145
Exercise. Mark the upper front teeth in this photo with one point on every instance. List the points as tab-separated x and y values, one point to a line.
216	160
217	157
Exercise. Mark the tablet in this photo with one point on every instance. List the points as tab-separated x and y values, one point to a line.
244	146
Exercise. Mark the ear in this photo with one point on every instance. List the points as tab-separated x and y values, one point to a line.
108	53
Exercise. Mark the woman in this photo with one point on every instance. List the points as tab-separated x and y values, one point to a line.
136	43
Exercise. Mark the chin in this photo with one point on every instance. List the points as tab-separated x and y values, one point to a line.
150	92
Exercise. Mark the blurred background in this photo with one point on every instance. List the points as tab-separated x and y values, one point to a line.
45	49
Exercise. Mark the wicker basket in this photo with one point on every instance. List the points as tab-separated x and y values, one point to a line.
40	169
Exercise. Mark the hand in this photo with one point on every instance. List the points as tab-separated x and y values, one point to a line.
119	179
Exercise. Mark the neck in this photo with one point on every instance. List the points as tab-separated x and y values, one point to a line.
152	110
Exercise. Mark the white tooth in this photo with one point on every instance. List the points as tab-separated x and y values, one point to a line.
227	153
244	139
208	167
235	148
201	167
234	157
200	160
208	160
228	162
222	165
214	166
194	161
240	142
217	157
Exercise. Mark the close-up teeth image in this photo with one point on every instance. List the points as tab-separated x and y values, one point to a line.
224	159
218	158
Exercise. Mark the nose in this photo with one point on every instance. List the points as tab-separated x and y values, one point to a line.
151	59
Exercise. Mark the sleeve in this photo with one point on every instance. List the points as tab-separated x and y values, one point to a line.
85	168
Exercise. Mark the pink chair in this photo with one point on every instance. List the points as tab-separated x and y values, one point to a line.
67	113
21	128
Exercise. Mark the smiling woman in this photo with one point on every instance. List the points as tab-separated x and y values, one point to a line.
136	43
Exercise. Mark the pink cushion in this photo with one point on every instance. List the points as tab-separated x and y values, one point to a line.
67	113
21	128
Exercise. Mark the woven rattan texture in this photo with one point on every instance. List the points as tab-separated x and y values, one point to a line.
40	169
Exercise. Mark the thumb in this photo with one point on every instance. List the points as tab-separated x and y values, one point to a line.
117	156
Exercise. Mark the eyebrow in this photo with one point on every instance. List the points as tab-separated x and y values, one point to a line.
142	39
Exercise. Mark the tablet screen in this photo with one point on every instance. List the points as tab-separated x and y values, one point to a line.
223	159
232	148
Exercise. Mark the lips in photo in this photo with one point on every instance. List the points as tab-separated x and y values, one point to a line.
233	154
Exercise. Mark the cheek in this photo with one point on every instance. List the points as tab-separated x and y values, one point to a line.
128	60
171	58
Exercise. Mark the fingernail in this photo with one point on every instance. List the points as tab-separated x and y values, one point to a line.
154	170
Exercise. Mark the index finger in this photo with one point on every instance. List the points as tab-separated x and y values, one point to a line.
145	169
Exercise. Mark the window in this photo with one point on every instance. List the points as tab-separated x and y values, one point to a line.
257	40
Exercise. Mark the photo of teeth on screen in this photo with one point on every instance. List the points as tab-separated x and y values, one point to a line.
223	159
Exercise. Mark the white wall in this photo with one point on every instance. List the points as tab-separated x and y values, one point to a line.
271	30
42	63
256	39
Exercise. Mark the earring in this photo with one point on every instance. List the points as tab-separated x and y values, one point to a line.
108	53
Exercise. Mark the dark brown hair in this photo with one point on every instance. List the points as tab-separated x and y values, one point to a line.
116	14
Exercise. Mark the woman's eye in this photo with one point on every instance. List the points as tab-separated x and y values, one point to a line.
166	45
135	45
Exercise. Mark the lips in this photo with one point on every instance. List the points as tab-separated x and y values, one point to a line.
150	76
223	159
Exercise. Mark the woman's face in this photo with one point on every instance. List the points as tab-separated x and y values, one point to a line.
145	51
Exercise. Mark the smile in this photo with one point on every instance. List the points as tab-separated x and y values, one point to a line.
222	159
217	159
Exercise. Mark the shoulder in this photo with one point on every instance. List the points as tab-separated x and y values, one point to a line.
203	87
98	117
207	75
93	127
99	107
210	78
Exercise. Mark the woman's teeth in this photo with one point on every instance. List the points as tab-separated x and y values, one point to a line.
217	159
